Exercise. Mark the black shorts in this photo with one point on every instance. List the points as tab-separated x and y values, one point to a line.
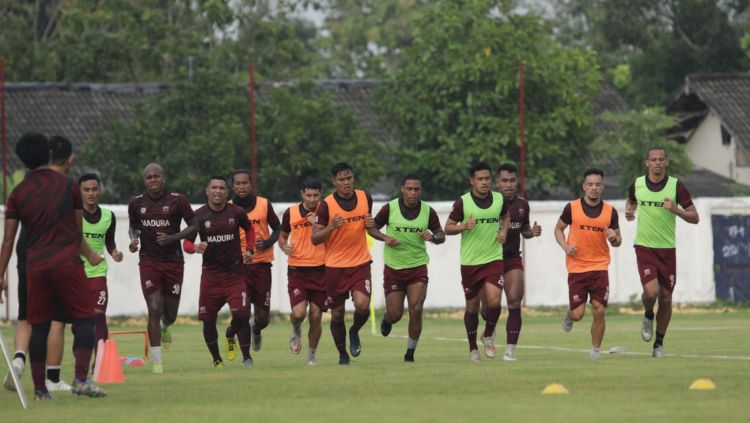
22	297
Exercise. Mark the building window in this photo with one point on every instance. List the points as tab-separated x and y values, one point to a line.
726	137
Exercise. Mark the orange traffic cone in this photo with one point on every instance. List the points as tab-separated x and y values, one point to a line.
110	369
98	360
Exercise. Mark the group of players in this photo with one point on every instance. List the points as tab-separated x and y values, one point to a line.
328	256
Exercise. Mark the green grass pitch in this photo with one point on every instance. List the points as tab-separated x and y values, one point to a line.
442	386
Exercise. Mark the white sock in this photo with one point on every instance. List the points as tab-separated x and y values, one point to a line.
411	343
311	353
155	354
510	348
595	349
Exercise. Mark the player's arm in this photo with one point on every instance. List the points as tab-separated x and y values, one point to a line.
380	220
286	230
452	225
631	204
321	231
570	250
435	234
530	231
133	231
613	230
245	225
83	247
688	212
275	225
109	241
502	233
9	238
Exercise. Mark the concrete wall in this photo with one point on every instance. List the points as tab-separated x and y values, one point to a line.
706	151
545	266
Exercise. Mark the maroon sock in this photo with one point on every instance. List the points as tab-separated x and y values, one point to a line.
100	325
211	336
359	320
471	321
241	327
38	375
513	325
338	330
491	315
83	358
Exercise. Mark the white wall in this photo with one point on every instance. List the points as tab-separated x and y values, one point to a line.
706	150
546	278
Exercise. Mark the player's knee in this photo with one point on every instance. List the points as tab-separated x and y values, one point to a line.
598	309
576	314
665	298
415	310
298	315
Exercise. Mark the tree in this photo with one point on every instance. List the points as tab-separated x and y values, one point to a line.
636	132
365	39
455	100
673	38
199	128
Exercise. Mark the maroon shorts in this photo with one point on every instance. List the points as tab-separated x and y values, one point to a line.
99	292
258	284
341	281
219	288
513	263
398	279
65	285
307	284
161	276
473	278
583	285
657	263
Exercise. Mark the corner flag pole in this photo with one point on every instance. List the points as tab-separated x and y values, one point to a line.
13	375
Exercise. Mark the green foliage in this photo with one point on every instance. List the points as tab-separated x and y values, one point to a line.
199	128
636	132
151	40
303	134
661	40
456	98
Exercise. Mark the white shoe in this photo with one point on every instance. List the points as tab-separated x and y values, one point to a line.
659	352
509	356
594	354
647	329
311	361
295	343
60	386
18	366
567	324
474	356
489	346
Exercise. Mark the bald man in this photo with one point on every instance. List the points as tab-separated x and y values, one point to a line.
155	218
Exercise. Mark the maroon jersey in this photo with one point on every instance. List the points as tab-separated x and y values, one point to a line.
221	230
46	203
161	215
518	208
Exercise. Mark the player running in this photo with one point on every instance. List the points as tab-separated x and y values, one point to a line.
411	222
155	218
222	278
593	223
480	217
306	273
506	181
342	222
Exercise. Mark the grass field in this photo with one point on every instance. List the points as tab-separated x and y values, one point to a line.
441	386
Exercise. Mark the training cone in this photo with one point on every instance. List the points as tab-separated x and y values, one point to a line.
555	388
99	357
702	385
132	361
110	369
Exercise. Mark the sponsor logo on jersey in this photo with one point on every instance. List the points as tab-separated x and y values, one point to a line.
155	223
406	229
148	284
652	203
591	228
488	220
143	210
93	235
220	238
231	221
165	209
207	224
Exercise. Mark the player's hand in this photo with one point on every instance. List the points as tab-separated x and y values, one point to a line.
117	255
369	221
669	205
247	257
611	235
288	249
258	244
570	250
501	235
391	241
630	215
94	258
536	230
133	247
337	221
163	239
470	224
426	235
201	247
